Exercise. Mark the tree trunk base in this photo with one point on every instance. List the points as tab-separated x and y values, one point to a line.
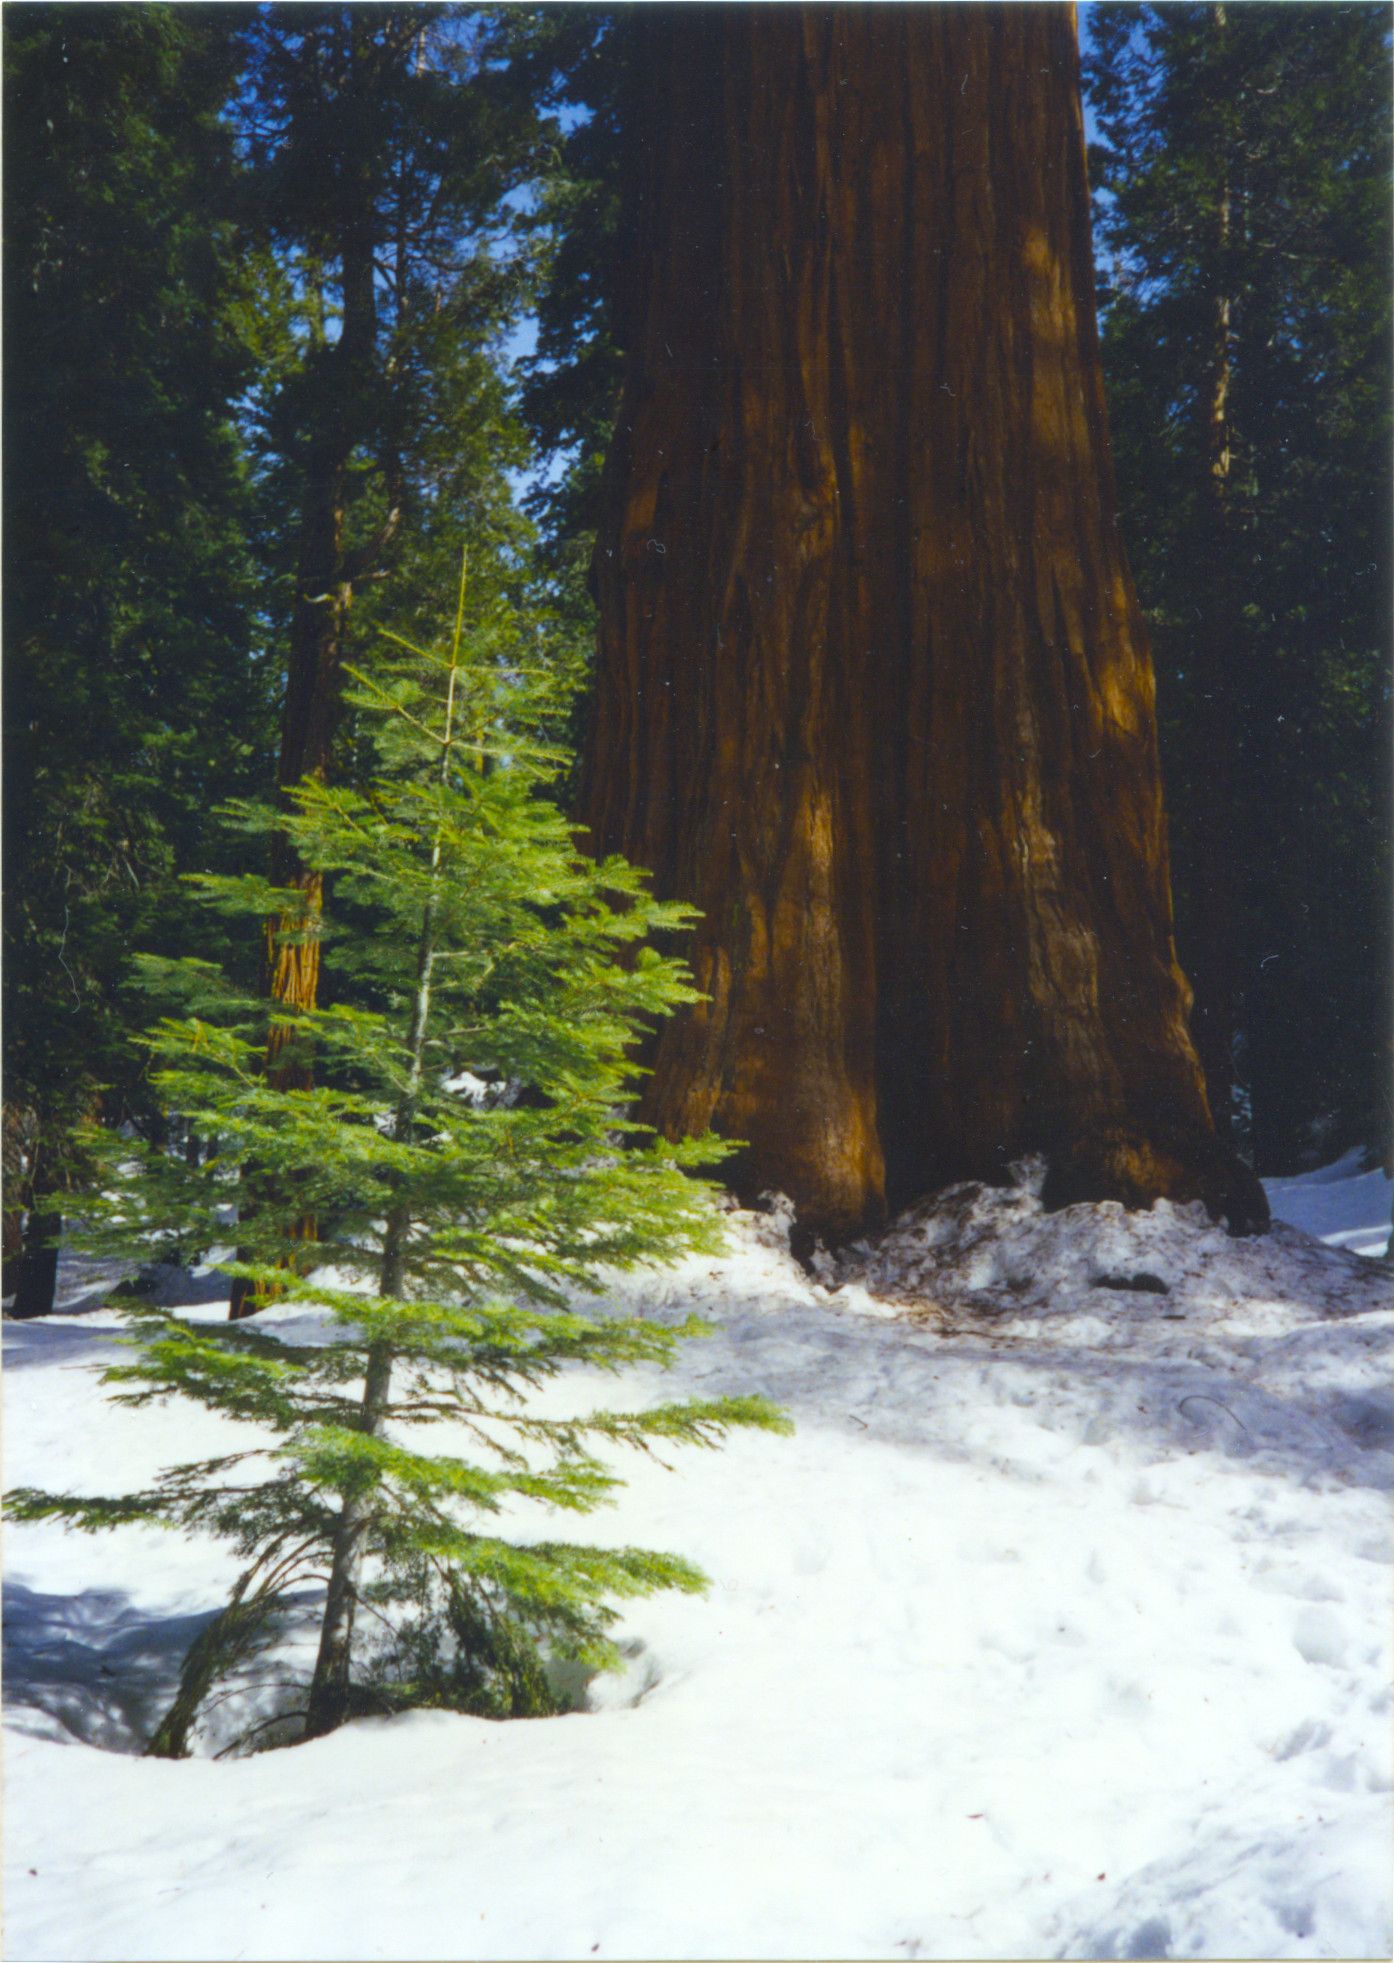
36	1282
227	1639
1114	1164
1118	1164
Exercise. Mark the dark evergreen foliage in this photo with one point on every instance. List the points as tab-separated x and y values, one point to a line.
135	698
578	63
579	58
1276	732
180	185
384	146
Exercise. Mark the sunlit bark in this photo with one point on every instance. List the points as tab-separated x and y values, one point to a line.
874	690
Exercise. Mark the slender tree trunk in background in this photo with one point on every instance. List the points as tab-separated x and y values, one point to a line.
1214	962
17	1125
323	597
33	1224
291	965
873	686
324	593
322	600
36	1278
12	1243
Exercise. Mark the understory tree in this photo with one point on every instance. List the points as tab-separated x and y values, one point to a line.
1243	174
464	1151
873	686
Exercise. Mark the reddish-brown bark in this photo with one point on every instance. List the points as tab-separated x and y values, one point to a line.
363	48
325	576
873	686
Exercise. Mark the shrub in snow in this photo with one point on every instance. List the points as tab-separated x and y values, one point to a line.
473	945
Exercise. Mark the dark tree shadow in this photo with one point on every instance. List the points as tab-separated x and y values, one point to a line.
60	1345
98	1667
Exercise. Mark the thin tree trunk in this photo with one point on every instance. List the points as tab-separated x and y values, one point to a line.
331	1685
12	1245
330	1689
319	623
874	689
34	1277
18	1128
1215	958
291	962
227	1638
1217	898
36	1280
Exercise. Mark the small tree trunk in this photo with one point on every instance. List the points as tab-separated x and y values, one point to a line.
1214	959
319	622
12	1244
330	1686
291	959
17	1133
228	1637
330	1690
34	1225
36	1280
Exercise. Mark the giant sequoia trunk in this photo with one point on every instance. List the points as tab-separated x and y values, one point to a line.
873	687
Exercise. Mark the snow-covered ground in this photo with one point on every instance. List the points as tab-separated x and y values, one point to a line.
1060	1627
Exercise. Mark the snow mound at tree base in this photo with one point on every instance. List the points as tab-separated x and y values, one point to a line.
997	1252
1152	1327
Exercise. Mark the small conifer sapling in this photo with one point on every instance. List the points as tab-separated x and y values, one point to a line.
464	1150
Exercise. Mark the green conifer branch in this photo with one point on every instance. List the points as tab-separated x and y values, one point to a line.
466	1150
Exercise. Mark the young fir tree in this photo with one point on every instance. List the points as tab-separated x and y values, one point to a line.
460	1149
